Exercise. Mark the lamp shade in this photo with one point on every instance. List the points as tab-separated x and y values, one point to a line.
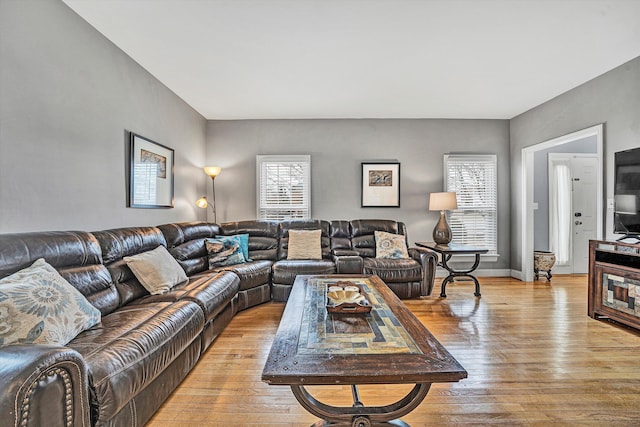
443	201
202	202
212	171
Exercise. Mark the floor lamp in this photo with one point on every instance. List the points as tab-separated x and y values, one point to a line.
212	172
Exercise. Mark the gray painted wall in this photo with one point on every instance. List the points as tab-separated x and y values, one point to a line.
337	148
612	98
541	185
67	96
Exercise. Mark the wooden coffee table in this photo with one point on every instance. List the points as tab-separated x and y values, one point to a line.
389	345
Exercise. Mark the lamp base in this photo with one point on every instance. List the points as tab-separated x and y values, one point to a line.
442	231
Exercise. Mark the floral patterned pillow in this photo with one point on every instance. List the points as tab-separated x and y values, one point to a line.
39	306
389	245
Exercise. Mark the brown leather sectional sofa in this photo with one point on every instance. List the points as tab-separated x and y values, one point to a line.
121	371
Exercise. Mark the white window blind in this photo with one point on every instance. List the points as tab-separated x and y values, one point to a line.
474	179
284	187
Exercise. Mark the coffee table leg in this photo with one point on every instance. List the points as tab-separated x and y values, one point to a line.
359	415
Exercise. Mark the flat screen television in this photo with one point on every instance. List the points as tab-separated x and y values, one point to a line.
627	193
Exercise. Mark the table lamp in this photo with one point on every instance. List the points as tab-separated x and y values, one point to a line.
442	202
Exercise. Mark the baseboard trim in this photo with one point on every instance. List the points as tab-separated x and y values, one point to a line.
517	274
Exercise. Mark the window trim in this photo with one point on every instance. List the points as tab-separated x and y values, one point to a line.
283	158
493	255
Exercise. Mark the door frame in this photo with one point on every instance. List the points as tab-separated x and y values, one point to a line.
527	190
570	268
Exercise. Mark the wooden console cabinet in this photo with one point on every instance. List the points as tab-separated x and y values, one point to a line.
614	282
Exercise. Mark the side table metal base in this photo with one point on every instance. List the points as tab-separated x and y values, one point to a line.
459	273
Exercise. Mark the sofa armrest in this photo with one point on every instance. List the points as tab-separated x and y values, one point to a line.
428	259
43	385
348	264
344	252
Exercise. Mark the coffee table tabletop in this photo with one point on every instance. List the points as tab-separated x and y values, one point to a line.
389	345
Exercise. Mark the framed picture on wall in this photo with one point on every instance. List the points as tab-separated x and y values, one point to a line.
380	184
150	174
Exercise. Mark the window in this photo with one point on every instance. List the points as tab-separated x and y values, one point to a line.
474	179
284	187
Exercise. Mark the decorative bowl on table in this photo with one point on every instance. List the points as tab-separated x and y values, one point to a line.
347	297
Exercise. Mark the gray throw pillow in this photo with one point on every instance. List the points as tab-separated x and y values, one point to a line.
156	270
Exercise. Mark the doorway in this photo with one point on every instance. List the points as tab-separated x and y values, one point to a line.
528	205
573	185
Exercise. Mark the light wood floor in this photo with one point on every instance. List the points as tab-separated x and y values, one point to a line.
533	356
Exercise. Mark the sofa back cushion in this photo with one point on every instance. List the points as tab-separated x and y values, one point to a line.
263	237
75	255
340	234
124	242
310	224
186	242
363	234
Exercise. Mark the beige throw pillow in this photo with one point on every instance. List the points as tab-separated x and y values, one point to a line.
156	270
389	245
37	305
305	244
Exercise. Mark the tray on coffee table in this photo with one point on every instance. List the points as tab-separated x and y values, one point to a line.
347	297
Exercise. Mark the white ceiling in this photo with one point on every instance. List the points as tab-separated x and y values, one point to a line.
267	59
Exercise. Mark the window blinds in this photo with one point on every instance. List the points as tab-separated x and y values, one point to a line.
474	179
284	187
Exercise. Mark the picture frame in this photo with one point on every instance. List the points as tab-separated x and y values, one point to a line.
150	173
380	184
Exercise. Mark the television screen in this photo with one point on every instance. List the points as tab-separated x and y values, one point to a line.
627	192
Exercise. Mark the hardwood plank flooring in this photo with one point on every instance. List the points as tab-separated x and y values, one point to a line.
533	356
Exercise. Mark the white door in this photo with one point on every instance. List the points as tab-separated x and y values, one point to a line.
585	180
583	209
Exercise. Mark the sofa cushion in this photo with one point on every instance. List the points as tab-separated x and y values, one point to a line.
185	242
156	270
76	255
37	305
308	224
389	245
393	270
121	242
263	237
304	244
212	292
131	347
285	271
251	274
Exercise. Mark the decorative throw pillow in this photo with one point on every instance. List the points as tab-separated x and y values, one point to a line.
305	244
224	250
37	305
156	270
389	245
244	244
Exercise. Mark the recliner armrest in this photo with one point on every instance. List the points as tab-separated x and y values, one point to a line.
429	261
344	252
348	264
43	385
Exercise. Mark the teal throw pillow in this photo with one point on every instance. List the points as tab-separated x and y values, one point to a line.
225	250
244	244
